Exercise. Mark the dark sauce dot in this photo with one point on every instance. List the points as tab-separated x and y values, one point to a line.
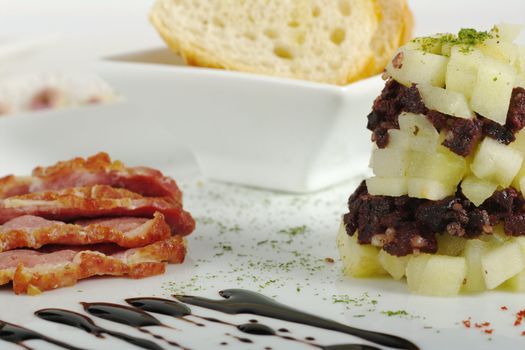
310	338
253	321
224	343
85	323
200	324
284	330
267	348
256	328
245	340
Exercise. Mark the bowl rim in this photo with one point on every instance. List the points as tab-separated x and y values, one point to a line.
123	59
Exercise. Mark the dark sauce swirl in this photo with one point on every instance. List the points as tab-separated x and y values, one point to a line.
236	301
17	334
239	301
86	324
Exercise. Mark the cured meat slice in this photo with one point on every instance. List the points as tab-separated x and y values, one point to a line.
95	170
94	202
33	271
30	231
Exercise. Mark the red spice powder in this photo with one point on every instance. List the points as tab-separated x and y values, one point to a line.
519	317
466	323
482	325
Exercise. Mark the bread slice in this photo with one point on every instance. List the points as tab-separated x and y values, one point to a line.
395	29
323	40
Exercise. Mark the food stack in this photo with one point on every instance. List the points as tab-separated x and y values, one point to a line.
87	217
445	206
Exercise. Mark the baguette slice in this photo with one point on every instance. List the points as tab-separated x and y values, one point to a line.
324	40
395	29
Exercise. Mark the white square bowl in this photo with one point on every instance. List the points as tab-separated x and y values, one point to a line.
267	132
45	137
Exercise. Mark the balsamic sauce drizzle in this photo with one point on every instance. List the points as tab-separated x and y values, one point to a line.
128	316
236	301
239	301
17	335
84	323
179	310
256	328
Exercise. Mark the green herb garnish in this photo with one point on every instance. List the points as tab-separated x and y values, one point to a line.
294	231
467	39
395	313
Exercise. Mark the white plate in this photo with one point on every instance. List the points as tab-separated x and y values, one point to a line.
245	239
267	132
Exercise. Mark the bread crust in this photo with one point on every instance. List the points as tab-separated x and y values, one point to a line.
395	29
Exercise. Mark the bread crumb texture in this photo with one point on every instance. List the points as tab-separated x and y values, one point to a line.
329	41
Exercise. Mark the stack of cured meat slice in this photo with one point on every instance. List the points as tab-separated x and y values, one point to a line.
87	217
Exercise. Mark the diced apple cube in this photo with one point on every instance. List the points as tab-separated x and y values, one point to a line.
437	275
462	70
519	180
446	101
429	189
424	144
498	236
475	279
450	245
493	89
520	80
389	186
416	125
398	139
447	168
505	52
516	283
446	48
388	162
394	265
423	136
418	67
507	32
415	270
522	184
519	143
477	190
521	241
496	162
521	62
432	46
359	260
501	263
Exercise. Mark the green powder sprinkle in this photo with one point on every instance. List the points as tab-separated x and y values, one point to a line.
395	313
294	231
467	39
